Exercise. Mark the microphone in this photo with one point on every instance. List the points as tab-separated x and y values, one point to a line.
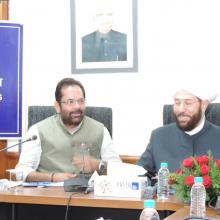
79	183
152	175
32	138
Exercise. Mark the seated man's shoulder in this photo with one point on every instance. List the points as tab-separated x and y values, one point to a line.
47	120
118	34
92	121
165	129
89	36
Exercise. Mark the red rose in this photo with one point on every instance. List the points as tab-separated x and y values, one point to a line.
188	162
204	169
207	182
189	180
217	162
202	160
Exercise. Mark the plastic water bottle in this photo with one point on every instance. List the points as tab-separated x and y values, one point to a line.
198	197
149	212
163	184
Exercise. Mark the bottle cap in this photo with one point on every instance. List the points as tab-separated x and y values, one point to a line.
163	164
149	203
198	179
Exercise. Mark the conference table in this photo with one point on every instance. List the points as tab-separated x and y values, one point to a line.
55	203
184	212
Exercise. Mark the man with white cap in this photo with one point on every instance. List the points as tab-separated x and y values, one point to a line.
190	135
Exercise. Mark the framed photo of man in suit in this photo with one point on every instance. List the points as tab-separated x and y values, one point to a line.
103	36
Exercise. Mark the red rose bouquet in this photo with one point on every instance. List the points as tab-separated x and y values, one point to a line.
205	166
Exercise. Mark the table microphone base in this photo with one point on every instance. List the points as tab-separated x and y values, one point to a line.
77	184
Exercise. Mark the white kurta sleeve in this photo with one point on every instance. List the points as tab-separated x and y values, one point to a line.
108	151
30	153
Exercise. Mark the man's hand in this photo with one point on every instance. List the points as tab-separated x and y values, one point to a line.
87	163
60	177
53	177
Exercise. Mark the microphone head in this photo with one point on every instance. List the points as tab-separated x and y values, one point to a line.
34	137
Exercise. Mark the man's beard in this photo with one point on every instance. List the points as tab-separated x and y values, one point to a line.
192	123
70	121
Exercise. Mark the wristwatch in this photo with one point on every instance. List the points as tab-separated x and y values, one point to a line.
101	167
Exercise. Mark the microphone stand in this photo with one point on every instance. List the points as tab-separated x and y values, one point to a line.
34	137
19	147
14	145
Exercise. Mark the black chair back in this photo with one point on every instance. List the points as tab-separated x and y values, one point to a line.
101	114
212	114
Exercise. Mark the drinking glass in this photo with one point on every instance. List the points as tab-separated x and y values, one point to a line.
15	179
4	185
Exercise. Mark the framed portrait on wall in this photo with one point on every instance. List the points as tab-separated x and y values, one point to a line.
103	36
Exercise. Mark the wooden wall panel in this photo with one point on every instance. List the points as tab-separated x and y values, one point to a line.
11	161
8	160
129	159
4	9
3	159
1	13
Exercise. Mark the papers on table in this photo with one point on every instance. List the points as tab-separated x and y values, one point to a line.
6	184
14	183
41	184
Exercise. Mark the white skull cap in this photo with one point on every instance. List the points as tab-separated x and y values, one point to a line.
202	94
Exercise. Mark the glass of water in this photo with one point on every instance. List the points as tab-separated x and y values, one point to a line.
15	179
4	183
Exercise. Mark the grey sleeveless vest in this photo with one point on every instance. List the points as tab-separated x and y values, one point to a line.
59	146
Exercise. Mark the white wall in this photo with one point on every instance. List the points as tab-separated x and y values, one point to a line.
178	43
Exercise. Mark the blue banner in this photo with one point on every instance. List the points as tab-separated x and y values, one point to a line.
11	45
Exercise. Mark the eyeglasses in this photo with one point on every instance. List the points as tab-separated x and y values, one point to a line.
185	102
74	101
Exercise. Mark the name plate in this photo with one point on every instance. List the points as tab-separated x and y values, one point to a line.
133	187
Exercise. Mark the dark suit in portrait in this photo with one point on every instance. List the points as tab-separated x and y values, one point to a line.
99	47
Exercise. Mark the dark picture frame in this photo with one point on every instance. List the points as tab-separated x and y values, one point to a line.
119	53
